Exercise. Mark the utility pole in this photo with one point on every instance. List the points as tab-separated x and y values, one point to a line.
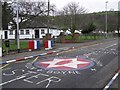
71	23
106	20
48	18
18	41
0	29
118	28
0	41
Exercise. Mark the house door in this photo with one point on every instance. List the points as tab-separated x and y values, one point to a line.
6	35
37	34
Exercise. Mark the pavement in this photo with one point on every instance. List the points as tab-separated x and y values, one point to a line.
87	65
57	46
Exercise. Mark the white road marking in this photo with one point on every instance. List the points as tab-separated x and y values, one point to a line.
10	61
43	54
50	80
29	66
72	64
36	75
13	72
111	81
93	69
18	78
110	46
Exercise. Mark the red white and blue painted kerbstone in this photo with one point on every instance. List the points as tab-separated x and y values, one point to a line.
64	64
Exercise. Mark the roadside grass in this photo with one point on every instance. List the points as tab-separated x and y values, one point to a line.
24	44
13	46
85	38
68	37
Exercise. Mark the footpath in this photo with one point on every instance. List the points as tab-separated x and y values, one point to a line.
56	48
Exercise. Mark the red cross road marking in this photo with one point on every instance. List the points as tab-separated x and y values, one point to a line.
65	64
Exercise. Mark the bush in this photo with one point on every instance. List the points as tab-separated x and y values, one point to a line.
68	37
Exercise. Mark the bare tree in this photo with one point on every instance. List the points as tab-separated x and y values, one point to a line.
31	10
28	11
70	12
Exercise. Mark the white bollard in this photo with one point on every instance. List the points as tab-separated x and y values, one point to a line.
35	44
49	44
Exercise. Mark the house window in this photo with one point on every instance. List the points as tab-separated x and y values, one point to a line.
42	31
27	32
22	32
11	32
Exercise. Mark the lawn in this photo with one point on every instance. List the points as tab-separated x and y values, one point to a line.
24	44
84	38
13	46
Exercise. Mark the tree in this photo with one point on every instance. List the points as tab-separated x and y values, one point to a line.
70	12
6	15
89	28
31	10
27	12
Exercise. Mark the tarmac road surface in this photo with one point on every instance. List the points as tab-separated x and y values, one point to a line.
89	66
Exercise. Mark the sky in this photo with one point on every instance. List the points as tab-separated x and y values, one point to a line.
90	5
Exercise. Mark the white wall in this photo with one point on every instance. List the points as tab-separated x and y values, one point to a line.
53	32
56	32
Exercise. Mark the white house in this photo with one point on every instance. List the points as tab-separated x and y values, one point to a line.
30	33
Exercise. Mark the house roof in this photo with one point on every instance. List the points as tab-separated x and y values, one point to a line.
37	23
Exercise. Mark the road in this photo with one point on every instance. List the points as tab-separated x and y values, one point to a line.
90	66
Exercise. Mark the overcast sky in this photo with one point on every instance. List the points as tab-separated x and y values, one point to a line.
90	5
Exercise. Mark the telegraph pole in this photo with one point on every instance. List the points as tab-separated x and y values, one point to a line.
18	41
0	41
118	28
0	30
106	20
48	19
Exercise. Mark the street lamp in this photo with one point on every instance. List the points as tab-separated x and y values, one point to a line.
18	41
17	22
106	19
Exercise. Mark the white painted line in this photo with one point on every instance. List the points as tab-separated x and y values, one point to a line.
66	49
10	61
58	50
57	54
111	81
18	78
115	76
28	57
13	72
93	69
29	66
111	46
106	88
43	54
54	51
